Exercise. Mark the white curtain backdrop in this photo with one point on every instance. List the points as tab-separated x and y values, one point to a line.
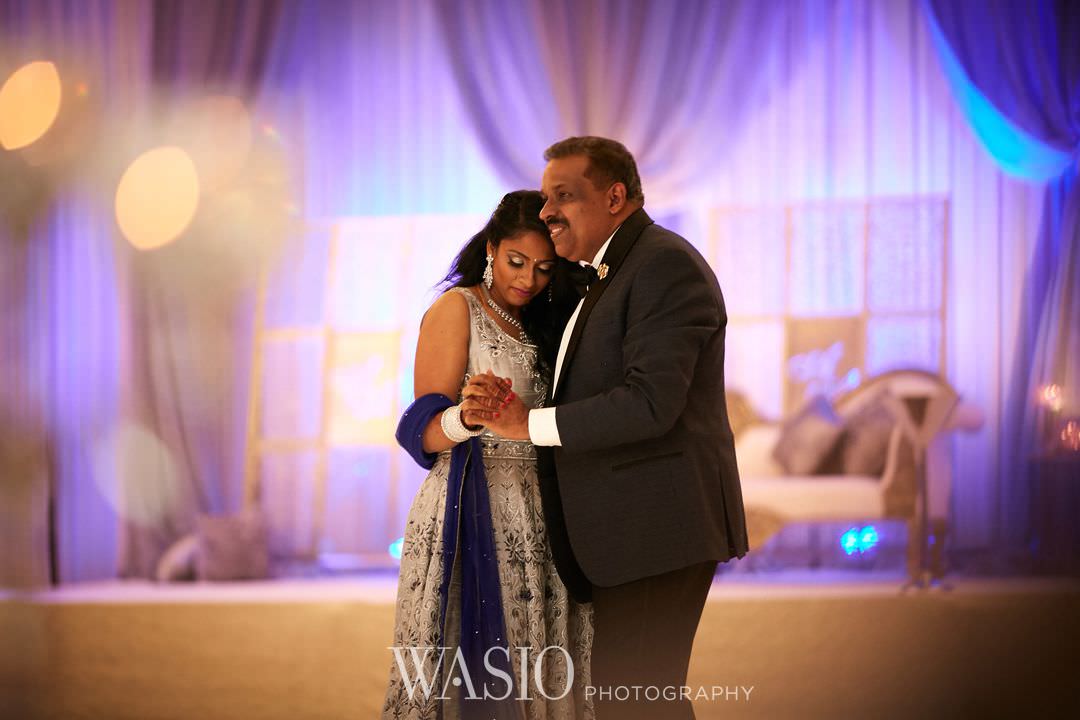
852	105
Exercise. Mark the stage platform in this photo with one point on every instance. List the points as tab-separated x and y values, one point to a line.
809	645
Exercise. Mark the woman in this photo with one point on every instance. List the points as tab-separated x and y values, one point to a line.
477	576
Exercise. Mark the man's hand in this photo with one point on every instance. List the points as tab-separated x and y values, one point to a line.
512	421
484	395
491	402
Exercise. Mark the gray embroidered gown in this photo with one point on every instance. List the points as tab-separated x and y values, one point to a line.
537	611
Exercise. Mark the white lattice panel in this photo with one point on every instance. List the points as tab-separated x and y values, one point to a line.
291	401
356	498
894	343
286	480
827	260
749	260
906	256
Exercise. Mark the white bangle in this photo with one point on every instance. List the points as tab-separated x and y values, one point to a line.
453	428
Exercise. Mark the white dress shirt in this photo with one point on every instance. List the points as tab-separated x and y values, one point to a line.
542	427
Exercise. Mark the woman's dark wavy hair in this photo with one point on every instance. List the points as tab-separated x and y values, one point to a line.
543	320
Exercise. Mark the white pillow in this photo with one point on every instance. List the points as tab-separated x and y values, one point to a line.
753	450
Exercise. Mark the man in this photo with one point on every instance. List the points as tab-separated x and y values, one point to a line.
637	460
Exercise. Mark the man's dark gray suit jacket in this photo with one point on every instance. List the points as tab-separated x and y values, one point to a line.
645	481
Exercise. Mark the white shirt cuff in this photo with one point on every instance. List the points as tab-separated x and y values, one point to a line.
542	428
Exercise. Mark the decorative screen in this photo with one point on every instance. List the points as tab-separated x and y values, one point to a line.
821	295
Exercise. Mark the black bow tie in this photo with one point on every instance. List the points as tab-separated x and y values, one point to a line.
581	277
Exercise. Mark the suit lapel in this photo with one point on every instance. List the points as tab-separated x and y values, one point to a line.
624	239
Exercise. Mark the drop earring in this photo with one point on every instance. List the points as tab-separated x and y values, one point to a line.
551	293
489	276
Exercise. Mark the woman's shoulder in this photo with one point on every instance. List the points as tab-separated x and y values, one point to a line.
452	307
457	297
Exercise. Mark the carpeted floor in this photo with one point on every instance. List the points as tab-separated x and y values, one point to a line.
318	650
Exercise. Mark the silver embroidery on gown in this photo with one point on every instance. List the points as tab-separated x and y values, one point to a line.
537	611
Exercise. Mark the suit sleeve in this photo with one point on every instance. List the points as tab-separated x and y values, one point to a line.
672	312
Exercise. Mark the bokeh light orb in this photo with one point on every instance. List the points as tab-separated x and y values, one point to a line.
396	547
29	104
1050	396
157	197
1070	435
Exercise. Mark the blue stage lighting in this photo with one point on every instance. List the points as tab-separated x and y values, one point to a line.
868	538
859	540
1018	152
395	548
849	541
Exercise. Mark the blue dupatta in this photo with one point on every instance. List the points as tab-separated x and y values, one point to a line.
467	531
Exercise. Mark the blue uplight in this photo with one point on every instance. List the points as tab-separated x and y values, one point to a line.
859	540
849	541
395	548
1017	151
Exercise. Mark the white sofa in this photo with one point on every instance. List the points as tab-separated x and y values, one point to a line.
772	498
766	487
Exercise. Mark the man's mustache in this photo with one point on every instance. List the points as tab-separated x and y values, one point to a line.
557	221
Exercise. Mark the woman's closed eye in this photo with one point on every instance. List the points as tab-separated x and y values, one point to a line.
546	268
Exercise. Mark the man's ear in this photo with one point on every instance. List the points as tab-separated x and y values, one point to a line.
616	198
